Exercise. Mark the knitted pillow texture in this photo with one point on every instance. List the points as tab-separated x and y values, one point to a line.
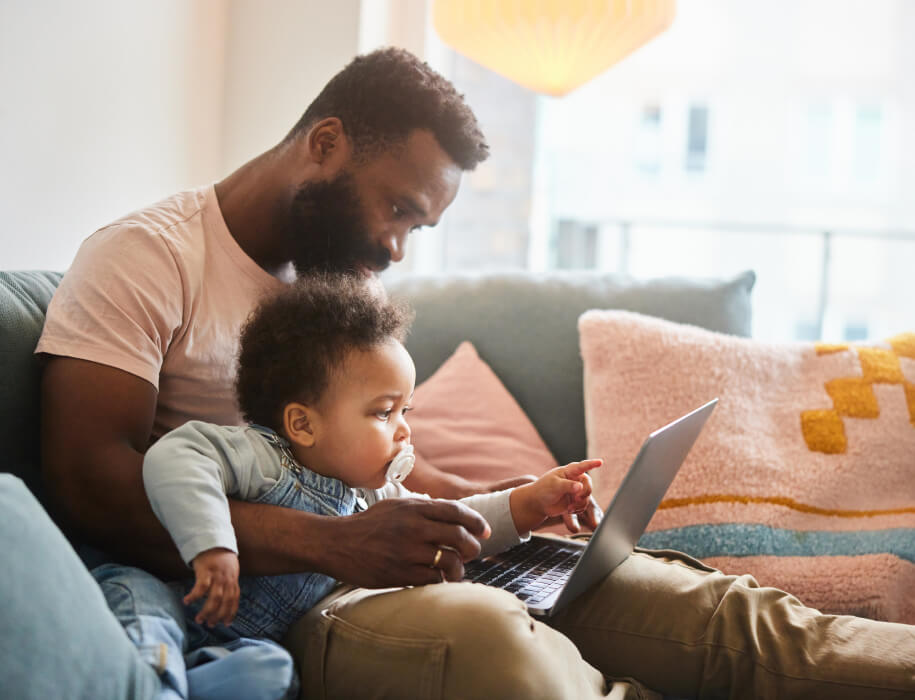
804	475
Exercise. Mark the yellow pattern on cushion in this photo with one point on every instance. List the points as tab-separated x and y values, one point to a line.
828	348
783	501
853	397
880	366
903	345
824	431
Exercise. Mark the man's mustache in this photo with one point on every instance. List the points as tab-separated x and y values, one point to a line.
381	259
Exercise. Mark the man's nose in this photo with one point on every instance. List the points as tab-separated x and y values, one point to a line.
395	243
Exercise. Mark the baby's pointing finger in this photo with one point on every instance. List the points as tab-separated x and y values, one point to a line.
575	470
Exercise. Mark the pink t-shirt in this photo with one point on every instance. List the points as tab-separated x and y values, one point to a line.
162	294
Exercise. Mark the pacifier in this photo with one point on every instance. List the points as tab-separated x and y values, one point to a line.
401	465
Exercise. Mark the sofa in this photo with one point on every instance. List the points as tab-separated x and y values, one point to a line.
522	324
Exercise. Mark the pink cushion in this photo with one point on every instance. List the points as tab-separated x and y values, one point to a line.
465	422
804	475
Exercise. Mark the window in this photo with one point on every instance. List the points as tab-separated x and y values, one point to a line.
648	140
819	141
576	245
856	331
868	127
799	172
807	329
696	138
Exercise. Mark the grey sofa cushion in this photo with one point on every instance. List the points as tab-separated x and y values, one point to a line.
24	298
525	327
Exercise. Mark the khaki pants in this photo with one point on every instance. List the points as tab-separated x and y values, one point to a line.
661	617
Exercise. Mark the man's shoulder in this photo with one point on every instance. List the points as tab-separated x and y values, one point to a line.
167	219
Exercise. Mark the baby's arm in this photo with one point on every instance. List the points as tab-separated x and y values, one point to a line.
188	474
513	513
560	491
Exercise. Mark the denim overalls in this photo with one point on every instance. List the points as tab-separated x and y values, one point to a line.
244	659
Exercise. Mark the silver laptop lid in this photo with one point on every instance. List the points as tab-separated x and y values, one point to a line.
635	502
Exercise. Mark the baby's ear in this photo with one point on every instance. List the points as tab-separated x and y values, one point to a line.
299	422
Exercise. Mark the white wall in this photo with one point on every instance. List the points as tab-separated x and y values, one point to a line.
106	106
280	54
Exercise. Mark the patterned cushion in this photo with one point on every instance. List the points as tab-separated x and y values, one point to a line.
804	475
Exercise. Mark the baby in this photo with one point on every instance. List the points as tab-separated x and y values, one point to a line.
325	384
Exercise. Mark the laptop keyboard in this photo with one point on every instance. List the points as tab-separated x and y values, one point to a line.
532	571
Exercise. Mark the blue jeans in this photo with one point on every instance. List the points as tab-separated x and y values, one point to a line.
193	661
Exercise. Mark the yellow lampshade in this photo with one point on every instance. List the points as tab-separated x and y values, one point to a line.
551	46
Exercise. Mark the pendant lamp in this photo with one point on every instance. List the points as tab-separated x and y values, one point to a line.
551	46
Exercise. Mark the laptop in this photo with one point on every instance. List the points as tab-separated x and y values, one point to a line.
547	573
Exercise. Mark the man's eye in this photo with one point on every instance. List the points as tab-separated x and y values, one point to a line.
397	211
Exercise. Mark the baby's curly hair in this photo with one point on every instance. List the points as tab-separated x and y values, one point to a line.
383	96
293	341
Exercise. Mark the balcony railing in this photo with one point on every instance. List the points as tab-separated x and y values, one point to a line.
610	244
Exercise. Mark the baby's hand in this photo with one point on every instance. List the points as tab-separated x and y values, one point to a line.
216	579
561	491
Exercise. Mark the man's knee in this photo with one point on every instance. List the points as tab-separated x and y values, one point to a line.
491	646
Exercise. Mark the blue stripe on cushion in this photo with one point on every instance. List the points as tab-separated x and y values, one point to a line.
745	540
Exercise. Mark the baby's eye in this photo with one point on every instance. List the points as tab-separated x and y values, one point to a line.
405	409
384	415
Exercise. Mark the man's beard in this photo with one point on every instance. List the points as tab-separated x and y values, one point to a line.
326	229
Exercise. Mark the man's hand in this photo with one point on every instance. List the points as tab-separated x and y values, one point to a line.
216	579
394	543
561	491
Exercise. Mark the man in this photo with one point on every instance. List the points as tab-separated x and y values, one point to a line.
152	305
141	336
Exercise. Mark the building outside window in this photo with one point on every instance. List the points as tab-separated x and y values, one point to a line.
802	177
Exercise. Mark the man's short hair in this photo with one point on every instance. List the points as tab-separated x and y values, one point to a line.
383	96
294	340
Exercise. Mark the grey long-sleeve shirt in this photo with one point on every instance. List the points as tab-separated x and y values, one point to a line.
190	471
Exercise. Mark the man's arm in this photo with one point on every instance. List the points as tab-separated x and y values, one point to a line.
96	423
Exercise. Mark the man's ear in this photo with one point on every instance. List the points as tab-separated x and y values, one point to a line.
327	141
299	424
